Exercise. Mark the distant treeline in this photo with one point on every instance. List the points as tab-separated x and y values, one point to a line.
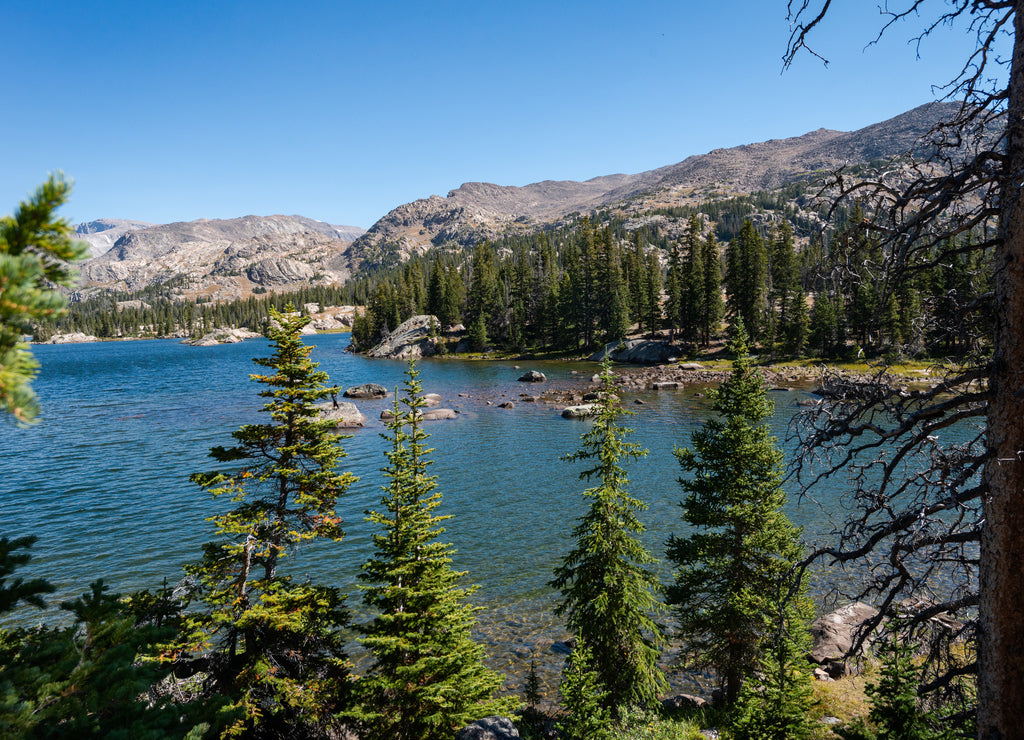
686	272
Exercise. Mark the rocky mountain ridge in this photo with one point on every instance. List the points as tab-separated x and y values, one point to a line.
225	259
476	210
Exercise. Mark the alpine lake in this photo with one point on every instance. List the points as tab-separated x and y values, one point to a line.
103	482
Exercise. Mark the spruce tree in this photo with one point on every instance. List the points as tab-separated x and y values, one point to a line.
270	643
608	589
741	544
428	678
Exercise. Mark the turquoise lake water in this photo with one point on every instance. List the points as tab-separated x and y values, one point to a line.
103	479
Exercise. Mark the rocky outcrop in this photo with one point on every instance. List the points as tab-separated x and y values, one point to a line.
344	415
71	338
366	390
222	336
480	210
489	728
412	338
636	352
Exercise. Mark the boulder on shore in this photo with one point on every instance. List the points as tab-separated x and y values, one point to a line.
636	352
414	337
366	390
344	415
532	376
834	635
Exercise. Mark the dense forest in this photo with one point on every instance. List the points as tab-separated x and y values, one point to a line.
681	273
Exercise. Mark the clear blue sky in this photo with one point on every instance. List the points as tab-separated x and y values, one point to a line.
340	111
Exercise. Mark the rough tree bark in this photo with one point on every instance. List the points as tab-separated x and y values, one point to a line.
1001	607
964	503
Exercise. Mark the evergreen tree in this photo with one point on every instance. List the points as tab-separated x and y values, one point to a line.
742	544
270	643
35	252
584	698
712	308
746	279
608	590
428	678
692	296
775	704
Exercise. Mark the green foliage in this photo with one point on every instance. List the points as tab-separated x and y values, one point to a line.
35	253
30	592
93	680
269	643
608	589
896	713
584	698
741	545
428	678
775	703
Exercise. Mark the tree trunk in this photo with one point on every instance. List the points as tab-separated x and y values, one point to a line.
1001	608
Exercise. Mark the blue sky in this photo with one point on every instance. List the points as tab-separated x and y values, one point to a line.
341	111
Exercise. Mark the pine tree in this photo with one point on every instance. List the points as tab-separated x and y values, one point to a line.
608	589
270	643
428	678
742	544
35	253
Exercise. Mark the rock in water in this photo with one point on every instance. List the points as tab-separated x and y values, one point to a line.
366	390
345	415
532	376
579	412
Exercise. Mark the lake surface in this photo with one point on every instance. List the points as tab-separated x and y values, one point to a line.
103	479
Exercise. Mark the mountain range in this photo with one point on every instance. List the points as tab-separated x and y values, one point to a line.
222	259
